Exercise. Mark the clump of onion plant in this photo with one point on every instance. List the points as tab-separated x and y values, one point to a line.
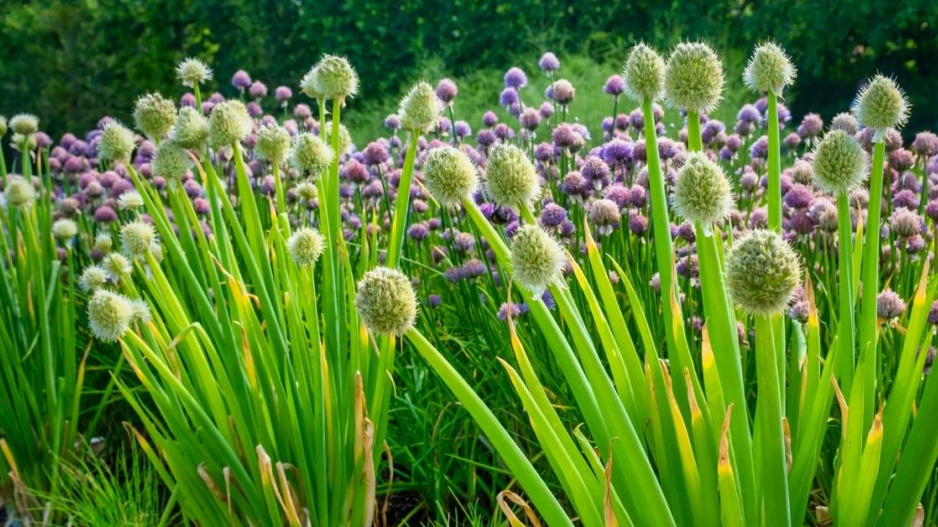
272	143
420	109
386	301
310	154
192	72
450	174
762	272
228	123
109	315
512	178
116	143
305	246
170	161
882	104
536	258
840	163
769	69
191	129
693	78
136	238
335	78
19	192
702	193
644	73
154	115
24	124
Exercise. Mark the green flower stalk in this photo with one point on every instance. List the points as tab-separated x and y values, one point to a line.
154	115
536	259
117	143
386	301
511	177
450	175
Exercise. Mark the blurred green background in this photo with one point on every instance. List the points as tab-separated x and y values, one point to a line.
73	61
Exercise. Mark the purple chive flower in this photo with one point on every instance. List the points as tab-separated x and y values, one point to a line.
564	136
511	310
925	144
811	126
474	268
549	62
375	154
906	198
486	138
933	314
573	184
749	114
509	97
258	89
489	119
446	90
187	99
619	195
638	196
302	111
392	122
530	119
617	151
462	129
567	229
418	232
515	79
283	94
792	140
453	274
546	110
105	214
931	210
760	149
552	215
638	223
889	305
241	80
615	85
759	219
798	196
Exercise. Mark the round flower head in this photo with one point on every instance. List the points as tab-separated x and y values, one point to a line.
420	109
305	246
702	194
769	69
193	72
19	192
345	139
512	178
109	315
116	143
762	272
64	229
136	238
693	78
840	163
889	305
446	90
24	124
308	83
881	105
229	123
450	174
310	154
272	143
155	116
846	122
130	200
117	266
644	73
562	92
537	259
386	301
191	128
92	279
335	78
170	161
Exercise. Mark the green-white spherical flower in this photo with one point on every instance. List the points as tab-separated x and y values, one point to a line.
420	109
229	123
64	229
140	311
335	78
840	163
537	259
191	129
170	161
102	242
130	200
117	266
116	144
882	104
762	272
846	122
24	124
192	72
155	115
702	193
644	73
769	69
512	178
693	78
345	139
109	315
136	238
308	83
305	246
310	154
449	174
92	279
3	126
272	144
19	192
386	301
307	191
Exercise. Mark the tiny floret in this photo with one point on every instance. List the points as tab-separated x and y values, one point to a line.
229	123
24	124
420	109
644	73
109	315
305	246
762	272
702	193
882	105
272	143
136	238
335	78
537	259
840	163
191	129
450	174
19	192
193	71
386	301
154	115
310	154
116	143
170	161
769	69
512	178
693	78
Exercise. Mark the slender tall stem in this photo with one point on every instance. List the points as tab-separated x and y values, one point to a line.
847	325
775	171
769	415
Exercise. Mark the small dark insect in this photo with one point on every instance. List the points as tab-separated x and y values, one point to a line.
501	216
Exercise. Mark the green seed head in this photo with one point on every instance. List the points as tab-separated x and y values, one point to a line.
702	194
386	301
192	72
155	116
170	161
117	266
450	174
140	311
64	229
19	192
840	163
24	124
191	128
310	154
116	144
345	139
644	73
335	78
229	123
92	279
882	104
102	242
512	178
769	69
420	109
272	143
308	83
536	259
136	238
693	78
762	272
109	315
305	246
307	191
130	200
